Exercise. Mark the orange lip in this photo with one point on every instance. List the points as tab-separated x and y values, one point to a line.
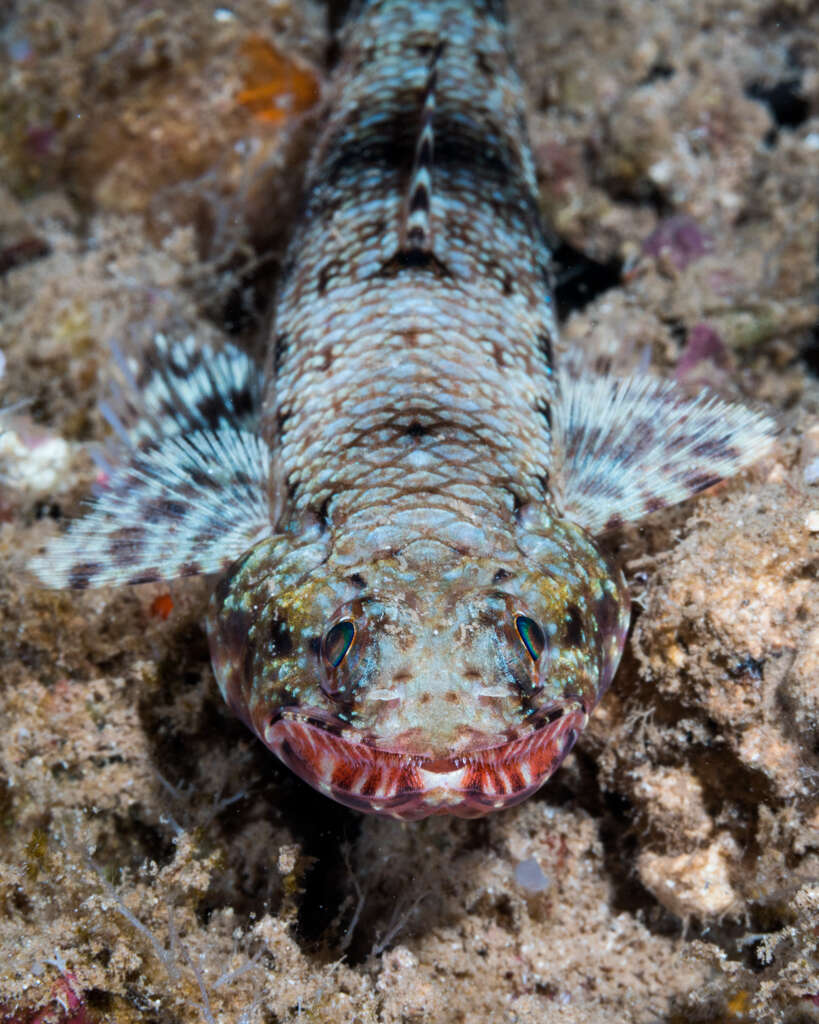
411	786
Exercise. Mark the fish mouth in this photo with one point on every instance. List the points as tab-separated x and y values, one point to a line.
411	786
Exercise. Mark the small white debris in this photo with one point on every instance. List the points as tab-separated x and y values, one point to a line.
222	14
288	859
37	467
812	521
530	877
811	472
661	172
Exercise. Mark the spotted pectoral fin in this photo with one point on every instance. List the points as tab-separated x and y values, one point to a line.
182	386
625	447
188	489
190	505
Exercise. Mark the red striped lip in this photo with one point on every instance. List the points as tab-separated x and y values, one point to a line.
410	786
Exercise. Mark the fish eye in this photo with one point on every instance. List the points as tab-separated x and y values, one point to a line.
337	642
531	636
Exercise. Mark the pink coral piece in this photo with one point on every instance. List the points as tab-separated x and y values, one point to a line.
680	239
65	1006
703	344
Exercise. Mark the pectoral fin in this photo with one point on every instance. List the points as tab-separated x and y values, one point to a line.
625	447
188	491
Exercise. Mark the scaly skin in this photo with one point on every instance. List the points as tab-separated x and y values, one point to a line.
409	416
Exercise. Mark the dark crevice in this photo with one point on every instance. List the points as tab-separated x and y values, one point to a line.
323	828
784	99
678	331
47	510
779	17
238	314
810	353
130	840
245	304
22	251
658	72
339	11
620	852
580	279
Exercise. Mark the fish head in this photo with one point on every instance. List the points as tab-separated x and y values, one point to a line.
410	687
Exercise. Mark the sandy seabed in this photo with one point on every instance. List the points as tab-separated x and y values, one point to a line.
156	863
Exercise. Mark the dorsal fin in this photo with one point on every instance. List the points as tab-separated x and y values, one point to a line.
416	227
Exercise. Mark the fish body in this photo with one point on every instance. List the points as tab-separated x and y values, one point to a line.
413	609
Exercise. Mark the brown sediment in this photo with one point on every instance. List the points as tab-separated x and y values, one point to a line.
150	847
